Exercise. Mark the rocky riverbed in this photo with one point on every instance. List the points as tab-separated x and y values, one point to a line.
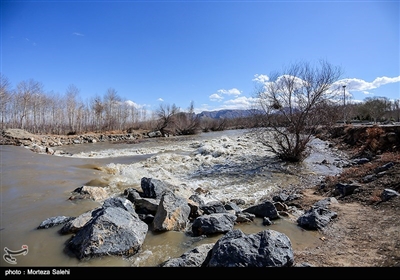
366	230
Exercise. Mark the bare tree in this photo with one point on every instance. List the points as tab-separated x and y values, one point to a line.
71	106
166	114
111	102
5	99
291	105
97	107
25	96
375	107
187	123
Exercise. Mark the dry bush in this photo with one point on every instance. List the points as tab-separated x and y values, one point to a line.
372	138
375	196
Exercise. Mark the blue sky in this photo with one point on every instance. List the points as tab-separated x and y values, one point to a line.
208	52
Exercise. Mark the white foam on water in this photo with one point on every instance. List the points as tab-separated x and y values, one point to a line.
224	167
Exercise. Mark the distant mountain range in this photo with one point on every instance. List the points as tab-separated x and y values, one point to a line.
226	114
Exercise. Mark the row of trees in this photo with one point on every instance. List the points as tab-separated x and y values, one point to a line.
29	107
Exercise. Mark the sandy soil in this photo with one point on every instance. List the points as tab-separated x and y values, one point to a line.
366	232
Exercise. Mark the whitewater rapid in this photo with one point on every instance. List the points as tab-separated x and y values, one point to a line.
231	166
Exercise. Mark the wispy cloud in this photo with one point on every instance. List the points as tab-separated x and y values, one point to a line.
354	84
29	41
216	97
133	104
160	99
78	34
241	102
232	91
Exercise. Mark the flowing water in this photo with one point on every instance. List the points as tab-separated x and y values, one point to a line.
226	165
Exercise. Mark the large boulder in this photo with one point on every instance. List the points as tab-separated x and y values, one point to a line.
114	229
267	248
172	213
213	223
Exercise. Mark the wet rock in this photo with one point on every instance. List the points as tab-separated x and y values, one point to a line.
213	207
267	248
192	258
54	221
230	206
265	209
266	221
153	188
76	224
172	213
89	192
213	223
111	231
243	217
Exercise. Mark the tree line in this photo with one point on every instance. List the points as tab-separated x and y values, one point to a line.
29	107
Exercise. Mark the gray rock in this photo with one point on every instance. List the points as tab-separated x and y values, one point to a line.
316	218
192	258
76	224
153	188
90	192
213	223
268	248
213	207
172	213
265	209
388	194
54	221
111	231
345	189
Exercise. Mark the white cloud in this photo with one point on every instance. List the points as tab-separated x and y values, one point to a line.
355	84
215	97
218	96
242	102
160	99
232	91
260	78
133	104
77	34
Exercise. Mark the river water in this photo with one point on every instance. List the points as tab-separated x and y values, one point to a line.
227	164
